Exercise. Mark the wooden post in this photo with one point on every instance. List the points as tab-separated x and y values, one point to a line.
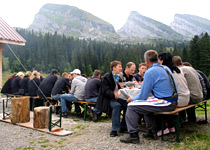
20	111
1	49
41	117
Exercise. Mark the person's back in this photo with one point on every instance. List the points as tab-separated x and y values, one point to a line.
46	85
78	87
157	81
7	88
16	85
60	86
24	84
183	91
193	82
92	87
32	87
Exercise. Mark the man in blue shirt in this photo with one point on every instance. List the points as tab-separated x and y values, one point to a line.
158	81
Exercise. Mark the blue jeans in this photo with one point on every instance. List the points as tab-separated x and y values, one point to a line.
56	97
93	100
69	97
117	105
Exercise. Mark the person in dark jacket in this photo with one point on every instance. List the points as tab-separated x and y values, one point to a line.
7	88
24	83
62	84
108	98
33	83
16	84
47	84
91	93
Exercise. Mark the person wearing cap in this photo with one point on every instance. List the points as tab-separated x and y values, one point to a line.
47	84
77	92
16	83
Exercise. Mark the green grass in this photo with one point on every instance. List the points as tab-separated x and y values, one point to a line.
198	141
200	111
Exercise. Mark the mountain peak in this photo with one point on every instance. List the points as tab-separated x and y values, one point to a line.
190	25
140	26
71	21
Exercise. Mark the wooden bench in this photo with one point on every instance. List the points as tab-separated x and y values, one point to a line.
176	112
85	104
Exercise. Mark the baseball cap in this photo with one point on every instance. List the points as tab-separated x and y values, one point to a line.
77	71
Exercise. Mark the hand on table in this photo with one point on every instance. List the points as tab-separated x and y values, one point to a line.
129	99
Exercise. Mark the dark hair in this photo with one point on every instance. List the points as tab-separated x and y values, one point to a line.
187	64
114	64
167	61
54	71
142	64
96	73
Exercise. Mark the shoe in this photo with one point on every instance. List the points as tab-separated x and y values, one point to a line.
79	115
123	130
152	134
132	138
64	115
95	117
113	133
166	131
90	112
172	129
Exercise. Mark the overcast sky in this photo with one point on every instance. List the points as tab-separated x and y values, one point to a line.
20	13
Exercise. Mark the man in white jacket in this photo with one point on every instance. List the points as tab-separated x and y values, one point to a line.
77	92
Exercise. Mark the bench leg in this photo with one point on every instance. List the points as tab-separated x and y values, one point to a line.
205	112
85	111
50	119
3	110
177	128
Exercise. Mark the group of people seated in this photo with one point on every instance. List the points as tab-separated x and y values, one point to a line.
162	77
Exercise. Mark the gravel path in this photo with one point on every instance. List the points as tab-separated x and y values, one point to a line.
86	135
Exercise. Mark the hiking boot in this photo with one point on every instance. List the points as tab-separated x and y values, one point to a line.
151	134
95	117
90	112
113	133
132	138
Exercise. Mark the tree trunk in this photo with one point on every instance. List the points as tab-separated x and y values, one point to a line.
20	111
41	117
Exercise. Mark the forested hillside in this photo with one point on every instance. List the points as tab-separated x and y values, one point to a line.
44	52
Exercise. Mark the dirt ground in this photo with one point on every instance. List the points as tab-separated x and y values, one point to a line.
86	135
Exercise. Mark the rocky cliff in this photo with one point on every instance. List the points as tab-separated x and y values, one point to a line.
139	26
189	25
71	21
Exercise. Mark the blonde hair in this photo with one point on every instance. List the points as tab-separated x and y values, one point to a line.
34	74
28	73
20	74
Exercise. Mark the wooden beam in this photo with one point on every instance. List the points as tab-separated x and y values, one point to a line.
12	42
1	49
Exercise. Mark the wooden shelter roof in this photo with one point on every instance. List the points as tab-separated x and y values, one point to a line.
9	35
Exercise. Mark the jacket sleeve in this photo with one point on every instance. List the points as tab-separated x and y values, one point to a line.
107	89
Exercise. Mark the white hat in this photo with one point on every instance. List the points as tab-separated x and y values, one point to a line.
77	71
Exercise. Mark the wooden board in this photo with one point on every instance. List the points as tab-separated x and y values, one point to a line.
55	131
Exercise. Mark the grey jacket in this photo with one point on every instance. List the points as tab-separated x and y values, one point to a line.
78	87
